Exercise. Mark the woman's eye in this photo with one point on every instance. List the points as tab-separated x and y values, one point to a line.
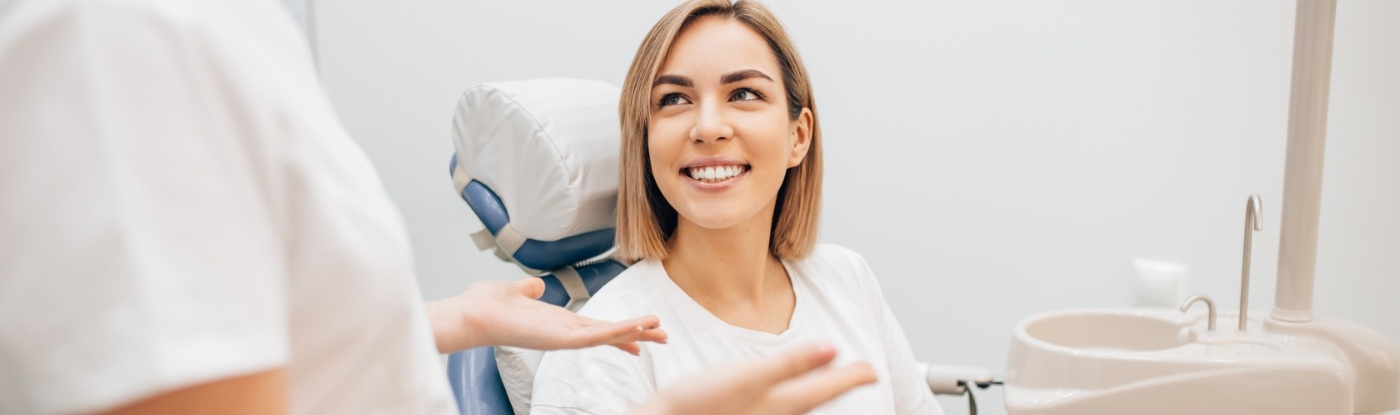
745	94
672	99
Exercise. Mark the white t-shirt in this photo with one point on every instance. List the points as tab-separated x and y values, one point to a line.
838	302
179	204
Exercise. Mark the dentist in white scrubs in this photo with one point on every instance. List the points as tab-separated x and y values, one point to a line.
185	227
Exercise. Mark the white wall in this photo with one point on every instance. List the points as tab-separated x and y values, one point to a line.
991	159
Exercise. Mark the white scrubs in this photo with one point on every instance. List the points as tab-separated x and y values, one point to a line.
179	204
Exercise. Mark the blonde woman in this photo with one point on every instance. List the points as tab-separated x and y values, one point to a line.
720	188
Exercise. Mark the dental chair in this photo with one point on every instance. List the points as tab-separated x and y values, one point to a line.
536	161
578	272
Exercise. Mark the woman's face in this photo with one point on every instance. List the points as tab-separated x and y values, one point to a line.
720	137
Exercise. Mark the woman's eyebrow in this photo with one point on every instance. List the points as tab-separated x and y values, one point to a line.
673	80
742	75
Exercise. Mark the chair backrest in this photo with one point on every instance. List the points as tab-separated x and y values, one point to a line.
537	163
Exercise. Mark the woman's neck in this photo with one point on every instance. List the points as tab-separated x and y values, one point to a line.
732	273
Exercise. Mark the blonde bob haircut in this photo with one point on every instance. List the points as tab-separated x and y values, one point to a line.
645	220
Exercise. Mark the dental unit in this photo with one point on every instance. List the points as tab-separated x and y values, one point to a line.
1162	361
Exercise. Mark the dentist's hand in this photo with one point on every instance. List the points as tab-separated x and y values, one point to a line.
502	313
787	384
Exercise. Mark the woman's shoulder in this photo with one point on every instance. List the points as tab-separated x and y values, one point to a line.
835	251
835	267
832	257
633	290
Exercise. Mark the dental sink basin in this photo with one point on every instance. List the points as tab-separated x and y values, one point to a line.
1107	331
1161	361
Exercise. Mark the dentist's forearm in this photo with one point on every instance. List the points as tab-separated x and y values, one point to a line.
257	393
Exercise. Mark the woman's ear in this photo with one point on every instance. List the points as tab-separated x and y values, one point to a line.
801	137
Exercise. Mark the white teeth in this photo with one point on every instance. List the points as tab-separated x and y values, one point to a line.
713	173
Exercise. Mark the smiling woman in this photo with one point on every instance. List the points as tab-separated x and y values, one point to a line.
718	200
661	101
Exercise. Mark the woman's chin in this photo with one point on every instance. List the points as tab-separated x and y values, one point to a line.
712	220
734	212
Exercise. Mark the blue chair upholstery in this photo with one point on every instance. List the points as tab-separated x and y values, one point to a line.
474	377
476	382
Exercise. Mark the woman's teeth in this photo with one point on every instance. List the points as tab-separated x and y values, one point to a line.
715	173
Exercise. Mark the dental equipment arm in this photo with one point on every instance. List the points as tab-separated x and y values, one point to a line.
953	380
958	380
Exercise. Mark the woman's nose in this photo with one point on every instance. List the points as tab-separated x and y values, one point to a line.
711	125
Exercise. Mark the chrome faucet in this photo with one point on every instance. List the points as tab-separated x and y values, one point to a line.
1210	309
1253	221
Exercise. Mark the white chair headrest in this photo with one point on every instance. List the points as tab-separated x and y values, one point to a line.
548	148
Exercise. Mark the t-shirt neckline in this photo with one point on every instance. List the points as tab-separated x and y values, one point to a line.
688	305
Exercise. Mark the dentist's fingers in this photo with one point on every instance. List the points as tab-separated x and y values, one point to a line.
508	313
806	393
630	347
619	334
651	329
650	335
531	287
790	365
791	383
622	335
